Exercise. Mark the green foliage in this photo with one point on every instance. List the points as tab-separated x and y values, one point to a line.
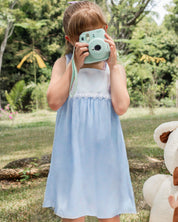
26	172
159	45
150	97
9	13
39	96
16	95
38	26
124	17
48	41
167	102
171	20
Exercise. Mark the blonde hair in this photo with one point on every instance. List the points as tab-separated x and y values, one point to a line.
80	17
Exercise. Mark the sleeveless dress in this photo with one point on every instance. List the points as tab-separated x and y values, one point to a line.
89	171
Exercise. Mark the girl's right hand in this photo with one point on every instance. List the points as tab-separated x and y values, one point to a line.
81	52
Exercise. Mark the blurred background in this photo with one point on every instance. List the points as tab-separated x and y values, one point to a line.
32	39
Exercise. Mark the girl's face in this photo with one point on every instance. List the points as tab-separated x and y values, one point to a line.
76	39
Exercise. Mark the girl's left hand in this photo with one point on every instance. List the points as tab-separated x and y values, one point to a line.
112	60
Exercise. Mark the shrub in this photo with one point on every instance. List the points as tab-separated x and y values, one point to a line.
16	95
39	99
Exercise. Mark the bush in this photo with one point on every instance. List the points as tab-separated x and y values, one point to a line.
39	99
16	95
167	102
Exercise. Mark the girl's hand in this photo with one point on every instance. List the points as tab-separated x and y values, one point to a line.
112	60
81	52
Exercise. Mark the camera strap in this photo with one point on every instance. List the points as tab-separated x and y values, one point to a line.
74	80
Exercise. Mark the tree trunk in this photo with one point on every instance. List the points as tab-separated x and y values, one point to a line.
8	33
43	170
2	49
4	42
13	174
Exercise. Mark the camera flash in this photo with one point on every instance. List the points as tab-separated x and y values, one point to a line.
87	37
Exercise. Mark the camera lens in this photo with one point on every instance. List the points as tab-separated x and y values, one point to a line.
82	39
97	47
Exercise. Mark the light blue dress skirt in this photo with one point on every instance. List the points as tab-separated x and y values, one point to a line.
89	171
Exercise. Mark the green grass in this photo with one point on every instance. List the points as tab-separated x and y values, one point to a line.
31	135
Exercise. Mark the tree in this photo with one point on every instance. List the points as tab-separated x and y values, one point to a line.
124	16
171	20
159	69
49	42
32	56
7	19
7	22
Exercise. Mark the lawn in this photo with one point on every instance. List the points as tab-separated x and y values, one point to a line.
31	135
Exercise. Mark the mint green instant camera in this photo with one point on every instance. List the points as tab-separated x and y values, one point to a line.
99	49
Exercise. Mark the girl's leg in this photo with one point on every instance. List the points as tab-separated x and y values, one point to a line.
113	219
80	219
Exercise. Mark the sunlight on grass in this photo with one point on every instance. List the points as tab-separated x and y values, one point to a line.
145	112
25	118
142	216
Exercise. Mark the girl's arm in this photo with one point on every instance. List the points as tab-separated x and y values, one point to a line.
58	90
119	94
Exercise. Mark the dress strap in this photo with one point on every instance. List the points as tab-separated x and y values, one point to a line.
74	82
68	58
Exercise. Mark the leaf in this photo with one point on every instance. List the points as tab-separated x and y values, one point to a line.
24	59
16	94
40	61
32	24
10	100
30	58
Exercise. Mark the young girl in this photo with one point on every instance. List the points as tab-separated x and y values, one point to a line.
89	172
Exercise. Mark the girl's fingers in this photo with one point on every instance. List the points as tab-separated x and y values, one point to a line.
108	37
84	55
84	49
81	51
80	44
80	48
110	42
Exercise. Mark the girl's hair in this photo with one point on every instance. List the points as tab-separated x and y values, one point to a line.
80	17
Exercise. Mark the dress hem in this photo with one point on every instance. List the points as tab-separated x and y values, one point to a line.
118	212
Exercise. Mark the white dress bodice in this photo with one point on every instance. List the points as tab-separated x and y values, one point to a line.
92	82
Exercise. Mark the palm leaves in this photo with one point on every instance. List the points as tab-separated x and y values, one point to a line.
31	57
16	95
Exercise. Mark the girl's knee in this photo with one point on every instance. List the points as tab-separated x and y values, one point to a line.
80	219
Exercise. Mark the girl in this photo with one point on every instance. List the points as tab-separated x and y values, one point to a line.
89	172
